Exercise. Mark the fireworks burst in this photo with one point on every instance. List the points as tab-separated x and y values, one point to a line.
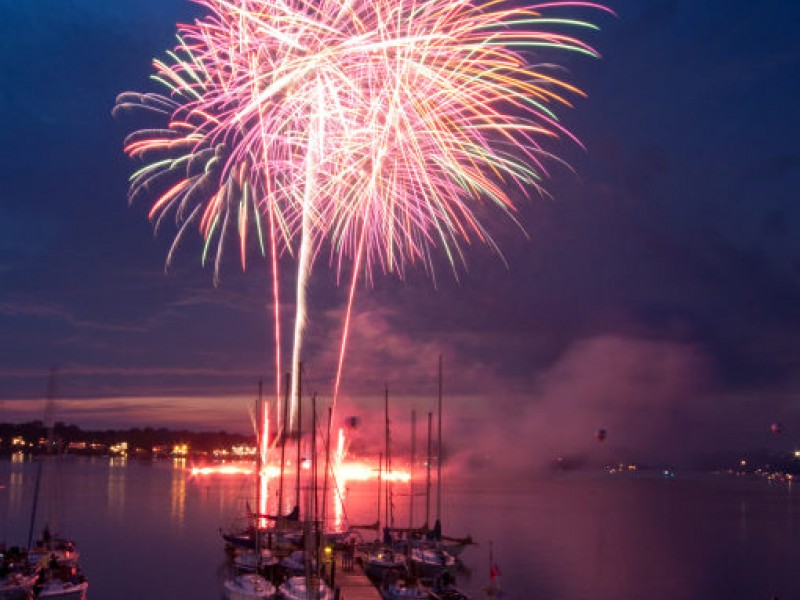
379	129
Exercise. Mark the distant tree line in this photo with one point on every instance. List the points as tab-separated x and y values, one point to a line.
145	438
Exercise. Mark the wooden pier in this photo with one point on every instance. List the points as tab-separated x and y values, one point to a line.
354	584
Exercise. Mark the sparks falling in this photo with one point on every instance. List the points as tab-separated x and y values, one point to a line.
378	132
344	470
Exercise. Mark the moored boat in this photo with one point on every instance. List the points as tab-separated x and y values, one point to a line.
297	588
17	573
431	563
248	560
73	588
249	587
58	577
295	563
380	561
17	586
404	590
444	589
49	548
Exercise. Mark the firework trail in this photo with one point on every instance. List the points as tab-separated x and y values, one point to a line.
380	131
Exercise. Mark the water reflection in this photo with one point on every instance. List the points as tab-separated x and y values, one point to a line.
16	481
178	492
15	484
116	485
559	539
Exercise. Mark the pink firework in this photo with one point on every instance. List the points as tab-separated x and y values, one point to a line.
379	129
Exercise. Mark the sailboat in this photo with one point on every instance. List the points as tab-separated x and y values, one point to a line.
249	586
58	576
61	588
403	588
302	587
247	582
17	574
434	559
385	557
310	584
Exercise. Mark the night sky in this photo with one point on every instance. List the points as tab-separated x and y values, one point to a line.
657	294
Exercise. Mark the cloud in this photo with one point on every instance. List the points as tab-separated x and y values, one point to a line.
648	394
382	349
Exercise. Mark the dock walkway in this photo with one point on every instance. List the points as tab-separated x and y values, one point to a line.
354	585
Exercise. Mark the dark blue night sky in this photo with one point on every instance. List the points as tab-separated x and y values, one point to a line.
658	295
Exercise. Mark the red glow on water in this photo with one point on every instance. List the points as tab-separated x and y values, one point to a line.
357	470
342	468
239	469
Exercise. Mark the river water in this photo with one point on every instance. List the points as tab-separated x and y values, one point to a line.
151	530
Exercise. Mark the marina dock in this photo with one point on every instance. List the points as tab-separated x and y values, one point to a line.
354	584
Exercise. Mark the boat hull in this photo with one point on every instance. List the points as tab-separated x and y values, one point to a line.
248	560
248	587
378	564
15	592
431	563
402	592
64	590
17	586
295	589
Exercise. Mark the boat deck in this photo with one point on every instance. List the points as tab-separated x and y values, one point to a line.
354	585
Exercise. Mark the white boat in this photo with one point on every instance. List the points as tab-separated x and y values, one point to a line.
248	560
249	587
58	589
59	576
296	562
295	588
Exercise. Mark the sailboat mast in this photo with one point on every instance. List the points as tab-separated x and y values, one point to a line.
35	503
313	495
380	482
428	478
327	468
260	445
411	470
299	429
309	529
260	433
314	504
49	409
439	451
284	433
388	463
